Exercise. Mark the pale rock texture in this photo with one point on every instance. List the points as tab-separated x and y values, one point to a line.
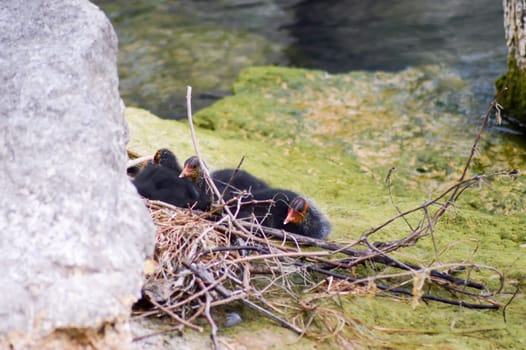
73	231
514	25
511	86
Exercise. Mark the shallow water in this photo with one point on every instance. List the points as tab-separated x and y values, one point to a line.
167	45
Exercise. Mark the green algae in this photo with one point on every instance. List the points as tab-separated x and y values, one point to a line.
333	138
511	91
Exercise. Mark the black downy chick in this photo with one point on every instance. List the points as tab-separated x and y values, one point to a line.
159	180
166	158
229	182
287	211
163	157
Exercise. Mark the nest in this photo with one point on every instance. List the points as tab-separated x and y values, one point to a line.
203	261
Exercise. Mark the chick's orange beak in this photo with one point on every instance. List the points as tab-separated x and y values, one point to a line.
183	173
187	172
293	217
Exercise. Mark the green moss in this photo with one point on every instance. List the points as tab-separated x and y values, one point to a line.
250	118
333	138
433	326
274	79
511	91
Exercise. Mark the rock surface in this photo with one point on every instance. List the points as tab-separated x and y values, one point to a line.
73	231
511	86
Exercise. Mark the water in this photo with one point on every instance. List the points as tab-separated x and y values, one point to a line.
391	35
166	45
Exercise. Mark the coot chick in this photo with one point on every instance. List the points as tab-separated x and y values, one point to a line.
162	183
166	158
288	211
136	165
162	157
233	181
305	219
229	182
192	172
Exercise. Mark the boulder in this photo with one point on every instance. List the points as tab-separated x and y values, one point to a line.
73	231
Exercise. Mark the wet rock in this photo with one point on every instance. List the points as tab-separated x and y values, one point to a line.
74	232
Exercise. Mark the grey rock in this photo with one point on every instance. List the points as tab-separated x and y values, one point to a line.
73	231
233	319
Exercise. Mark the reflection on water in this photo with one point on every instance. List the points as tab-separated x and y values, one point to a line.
167	45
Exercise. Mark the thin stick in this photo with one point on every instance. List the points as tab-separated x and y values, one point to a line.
236	170
517	290
281	255
171	329
206	173
213	334
452	198
134	162
195	142
226	293
432	232
389	187
175	317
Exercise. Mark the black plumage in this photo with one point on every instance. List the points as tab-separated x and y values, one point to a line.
159	180
192	172
159	183
165	157
286	211
162	157
229	182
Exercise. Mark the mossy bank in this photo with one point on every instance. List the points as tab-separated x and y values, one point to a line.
334	139
511	92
